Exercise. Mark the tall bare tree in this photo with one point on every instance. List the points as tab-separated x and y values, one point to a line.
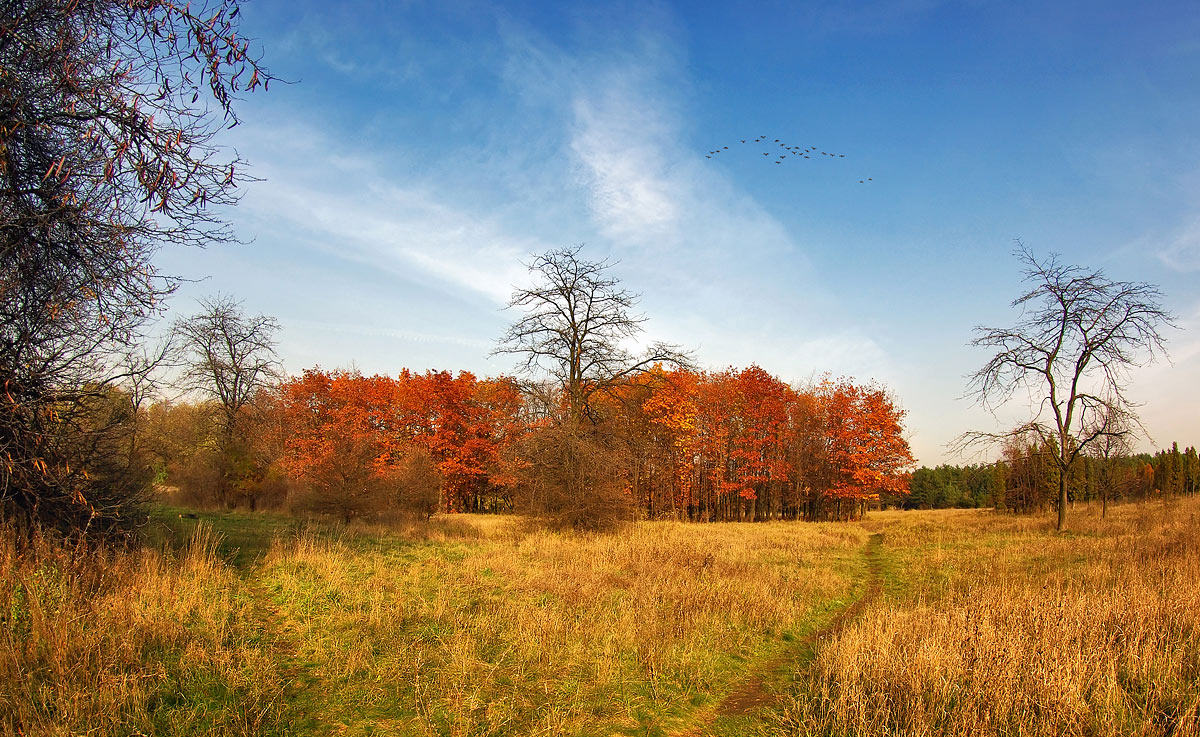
576	320
229	356
110	112
1078	335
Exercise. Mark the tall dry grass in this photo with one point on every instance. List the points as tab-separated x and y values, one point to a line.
100	642
1007	628
542	633
466	626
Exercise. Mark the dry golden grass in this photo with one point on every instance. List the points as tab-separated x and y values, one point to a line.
95	642
533	632
476	626
469	625
1001	626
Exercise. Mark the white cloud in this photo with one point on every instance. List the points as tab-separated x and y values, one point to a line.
622	142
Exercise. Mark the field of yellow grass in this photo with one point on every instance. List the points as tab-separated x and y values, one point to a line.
472	625
997	625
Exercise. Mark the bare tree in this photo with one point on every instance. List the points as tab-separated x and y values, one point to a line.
228	356
109	116
1113	430
576	323
576	319
1078	335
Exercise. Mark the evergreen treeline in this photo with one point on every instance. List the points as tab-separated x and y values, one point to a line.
1026	480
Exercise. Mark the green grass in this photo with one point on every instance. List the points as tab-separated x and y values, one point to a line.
248	624
472	626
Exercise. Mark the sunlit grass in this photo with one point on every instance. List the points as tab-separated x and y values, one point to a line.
477	625
468	625
1002	626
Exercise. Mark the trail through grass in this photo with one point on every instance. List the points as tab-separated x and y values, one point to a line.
916	623
749	706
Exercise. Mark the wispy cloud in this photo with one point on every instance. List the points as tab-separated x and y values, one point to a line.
1183	250
337	201
622	143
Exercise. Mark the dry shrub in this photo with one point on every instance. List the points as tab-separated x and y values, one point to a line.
1027	633
417	485
573	476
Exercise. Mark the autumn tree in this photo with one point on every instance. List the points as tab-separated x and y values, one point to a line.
859	452
228	356
342	442
110	112
1078	335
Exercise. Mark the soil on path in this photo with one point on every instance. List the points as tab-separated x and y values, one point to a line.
753	693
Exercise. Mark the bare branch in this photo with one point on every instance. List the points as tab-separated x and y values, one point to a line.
575	318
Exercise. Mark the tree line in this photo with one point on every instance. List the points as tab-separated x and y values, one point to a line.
737	444
1026	479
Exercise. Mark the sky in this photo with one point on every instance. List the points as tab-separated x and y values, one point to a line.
414	155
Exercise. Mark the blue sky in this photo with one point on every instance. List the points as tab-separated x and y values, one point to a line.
424	150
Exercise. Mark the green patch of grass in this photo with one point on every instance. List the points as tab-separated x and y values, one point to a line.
243	537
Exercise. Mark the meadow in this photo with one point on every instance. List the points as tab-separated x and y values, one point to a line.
906	623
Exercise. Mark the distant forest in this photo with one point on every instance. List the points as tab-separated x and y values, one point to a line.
1026	480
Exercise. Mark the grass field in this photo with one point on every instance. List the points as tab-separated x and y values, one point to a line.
907	623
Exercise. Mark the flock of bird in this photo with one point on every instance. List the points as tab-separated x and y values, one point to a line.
794	152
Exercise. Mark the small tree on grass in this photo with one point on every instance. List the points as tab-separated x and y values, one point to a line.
1113	430
1078	335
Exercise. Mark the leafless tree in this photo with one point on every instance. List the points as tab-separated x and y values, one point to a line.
110	112
576	320
1113	430
229	356
1078	335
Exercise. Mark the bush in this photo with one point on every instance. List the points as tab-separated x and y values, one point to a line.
573	476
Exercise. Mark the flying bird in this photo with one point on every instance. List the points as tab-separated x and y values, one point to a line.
795	151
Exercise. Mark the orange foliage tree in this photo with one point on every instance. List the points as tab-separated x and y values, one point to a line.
340	440
865	451
727	445
351	438
743	445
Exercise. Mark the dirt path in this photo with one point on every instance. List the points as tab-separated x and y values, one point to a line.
279	638
752	693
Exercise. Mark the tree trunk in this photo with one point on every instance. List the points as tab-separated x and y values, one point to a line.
1062	500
